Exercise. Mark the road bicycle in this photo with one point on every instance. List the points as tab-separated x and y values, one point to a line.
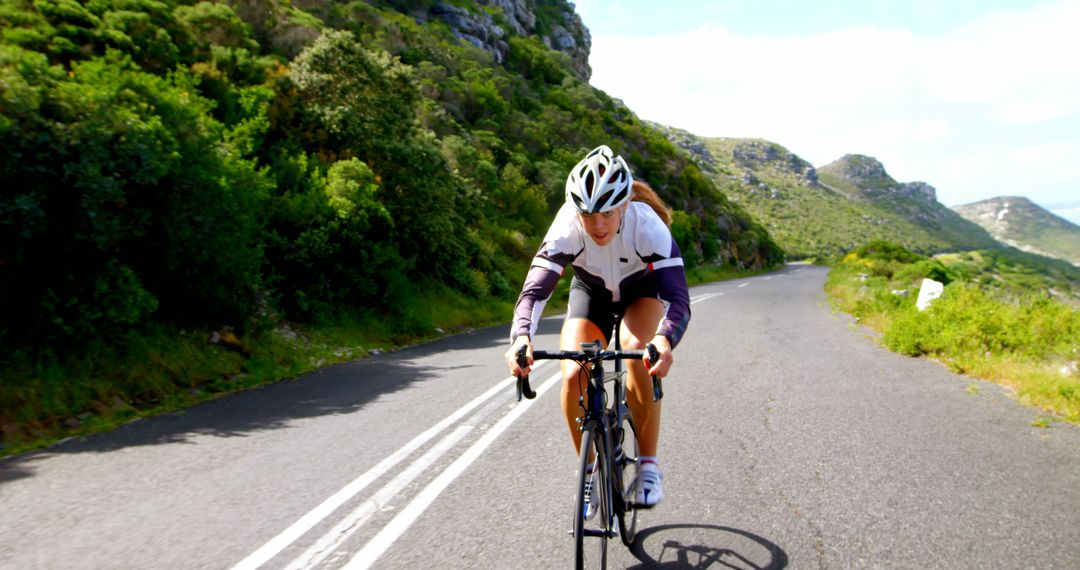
609	438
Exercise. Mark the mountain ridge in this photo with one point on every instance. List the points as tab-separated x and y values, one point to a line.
830	210
1021	223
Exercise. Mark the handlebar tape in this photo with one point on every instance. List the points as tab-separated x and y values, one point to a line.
523	388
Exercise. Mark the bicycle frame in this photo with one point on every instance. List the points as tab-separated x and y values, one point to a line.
605	423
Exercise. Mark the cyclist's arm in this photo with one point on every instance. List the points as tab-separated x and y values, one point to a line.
562	244
673	290
539	284
657	247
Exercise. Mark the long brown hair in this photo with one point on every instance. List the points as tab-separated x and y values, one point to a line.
644	193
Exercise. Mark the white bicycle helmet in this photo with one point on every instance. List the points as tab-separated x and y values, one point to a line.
600	182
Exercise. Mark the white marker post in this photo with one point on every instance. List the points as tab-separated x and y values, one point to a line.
929	291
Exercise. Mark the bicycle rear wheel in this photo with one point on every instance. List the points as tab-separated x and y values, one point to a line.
598	526
625	465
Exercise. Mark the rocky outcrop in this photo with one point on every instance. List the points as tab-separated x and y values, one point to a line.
920	190
689	142
755	154
869	176
480	28
860	170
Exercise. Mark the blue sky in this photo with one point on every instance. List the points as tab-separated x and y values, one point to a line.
978	99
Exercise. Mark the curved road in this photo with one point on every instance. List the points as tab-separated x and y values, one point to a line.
789	440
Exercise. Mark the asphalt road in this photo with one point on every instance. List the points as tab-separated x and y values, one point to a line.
789	440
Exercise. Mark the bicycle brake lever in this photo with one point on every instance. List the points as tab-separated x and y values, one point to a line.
523	388
657	386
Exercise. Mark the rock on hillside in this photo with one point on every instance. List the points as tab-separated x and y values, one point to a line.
756	154
865	177
556	24
1021	223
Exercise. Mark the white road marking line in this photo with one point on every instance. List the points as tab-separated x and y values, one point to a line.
704	297
743	285
312	518
350	524
392	531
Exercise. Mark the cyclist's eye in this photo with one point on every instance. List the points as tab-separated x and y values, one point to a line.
609	213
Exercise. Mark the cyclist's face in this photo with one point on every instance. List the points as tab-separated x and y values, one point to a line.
602	227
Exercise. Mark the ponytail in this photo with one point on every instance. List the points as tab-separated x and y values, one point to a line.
644	193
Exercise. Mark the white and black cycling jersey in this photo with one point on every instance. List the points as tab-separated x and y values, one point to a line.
643	246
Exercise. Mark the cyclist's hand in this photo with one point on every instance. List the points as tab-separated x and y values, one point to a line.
511	356
663	364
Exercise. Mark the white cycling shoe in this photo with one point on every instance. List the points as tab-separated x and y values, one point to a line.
590	505
649	490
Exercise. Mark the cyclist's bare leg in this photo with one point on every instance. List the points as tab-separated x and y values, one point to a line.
575	332
638	328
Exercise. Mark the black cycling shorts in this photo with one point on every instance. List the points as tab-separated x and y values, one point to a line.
596	304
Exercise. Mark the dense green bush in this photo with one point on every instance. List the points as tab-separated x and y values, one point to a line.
118	180
967	320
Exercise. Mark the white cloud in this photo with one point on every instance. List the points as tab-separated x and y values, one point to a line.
1033	111
926	106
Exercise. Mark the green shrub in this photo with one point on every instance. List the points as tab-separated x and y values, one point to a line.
914	273
146	201
1022	340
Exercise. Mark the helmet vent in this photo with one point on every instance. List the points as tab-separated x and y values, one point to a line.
603	201
619	196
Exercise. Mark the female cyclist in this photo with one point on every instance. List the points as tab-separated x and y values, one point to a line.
615	233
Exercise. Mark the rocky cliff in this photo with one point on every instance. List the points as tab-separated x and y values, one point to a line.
867	176
488	24
753	154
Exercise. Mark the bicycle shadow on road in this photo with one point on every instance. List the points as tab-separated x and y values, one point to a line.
700	546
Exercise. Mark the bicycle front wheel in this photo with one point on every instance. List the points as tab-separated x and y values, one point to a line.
625	465
592	507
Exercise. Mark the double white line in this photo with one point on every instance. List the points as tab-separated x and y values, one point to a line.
386	537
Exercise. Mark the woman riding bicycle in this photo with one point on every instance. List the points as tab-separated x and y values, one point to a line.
615	233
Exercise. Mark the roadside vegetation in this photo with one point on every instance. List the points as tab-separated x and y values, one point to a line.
176	173
163	369
160	370
1016	335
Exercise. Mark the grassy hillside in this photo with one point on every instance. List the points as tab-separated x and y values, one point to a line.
1021	223
1014	274
863	179
826	213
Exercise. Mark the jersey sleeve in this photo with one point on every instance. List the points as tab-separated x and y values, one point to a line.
562	244
657	247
